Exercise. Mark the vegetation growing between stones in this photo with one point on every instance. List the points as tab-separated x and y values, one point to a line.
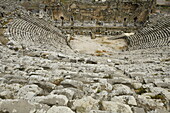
58	81
3	39
43	78
158	96
140	91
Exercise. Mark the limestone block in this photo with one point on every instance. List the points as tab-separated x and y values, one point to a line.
59	109
60	100
116	107
85	105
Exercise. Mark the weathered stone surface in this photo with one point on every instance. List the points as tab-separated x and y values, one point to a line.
164	83
121	80
17	106
98	87
29	91
17	81
38	78
101	95
47	86
161	111
77	93
9	77
85	105
138	76
58	79
72	83
100	111
6	94
59	109
151	103
120	89
3	80
159	90
116	107
137	85
126	99
8	91
138	110
41	108
66	91
60	100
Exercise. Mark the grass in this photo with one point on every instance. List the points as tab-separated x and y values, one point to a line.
159	96
5	23
98	91
106	43
108	77
100	52
122	48
140	91
165	60
72	38
155	74
58	81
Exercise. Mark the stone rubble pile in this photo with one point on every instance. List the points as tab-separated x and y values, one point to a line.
155	35
39	73
44	81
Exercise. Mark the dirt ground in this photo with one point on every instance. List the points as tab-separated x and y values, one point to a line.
99	46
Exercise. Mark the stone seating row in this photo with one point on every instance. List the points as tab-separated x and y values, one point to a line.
137	39
156	27
35	32
151	44
154	36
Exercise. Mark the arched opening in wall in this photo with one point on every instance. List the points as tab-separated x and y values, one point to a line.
1	15
72	19
3	7
62	20
125	19
61	17
18	15
106	32
45	9
125	22
135	6
135	19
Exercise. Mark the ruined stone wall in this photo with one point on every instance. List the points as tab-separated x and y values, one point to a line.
81	13
106	11
156	35
163	2
127	11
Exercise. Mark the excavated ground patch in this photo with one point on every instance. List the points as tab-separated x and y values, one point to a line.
99	46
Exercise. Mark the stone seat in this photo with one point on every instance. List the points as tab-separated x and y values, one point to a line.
33	30
149	37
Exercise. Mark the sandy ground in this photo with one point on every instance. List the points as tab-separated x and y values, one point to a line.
99	46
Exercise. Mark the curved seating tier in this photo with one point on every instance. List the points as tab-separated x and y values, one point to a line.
34	31
156	35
